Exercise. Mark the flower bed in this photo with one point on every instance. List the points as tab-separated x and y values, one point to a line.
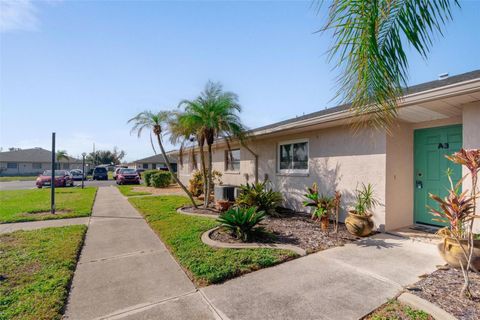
297	229
442	287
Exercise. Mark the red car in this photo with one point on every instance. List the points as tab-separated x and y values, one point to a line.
125	176
63	178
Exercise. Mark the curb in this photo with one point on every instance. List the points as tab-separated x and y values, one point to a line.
214	216
422	304
253	245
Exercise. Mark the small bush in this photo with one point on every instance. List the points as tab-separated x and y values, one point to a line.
241	221
195	185
259	196
161	179
147	175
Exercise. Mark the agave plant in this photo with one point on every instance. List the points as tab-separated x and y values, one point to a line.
242	222
260	196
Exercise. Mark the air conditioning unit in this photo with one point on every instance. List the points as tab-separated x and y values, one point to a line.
224	192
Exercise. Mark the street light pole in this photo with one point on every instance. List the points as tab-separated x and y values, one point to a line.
52	179
83	168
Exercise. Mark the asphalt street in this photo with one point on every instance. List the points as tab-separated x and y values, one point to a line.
19	185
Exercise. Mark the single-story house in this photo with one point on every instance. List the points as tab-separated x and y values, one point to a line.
24	162
155	162
434	119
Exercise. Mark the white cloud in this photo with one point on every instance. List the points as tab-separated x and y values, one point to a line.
18	15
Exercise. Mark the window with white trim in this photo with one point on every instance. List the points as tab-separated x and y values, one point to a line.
293	157
232	160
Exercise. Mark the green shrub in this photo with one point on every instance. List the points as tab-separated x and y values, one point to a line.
146	176
161	179
195	185
259	196
241	221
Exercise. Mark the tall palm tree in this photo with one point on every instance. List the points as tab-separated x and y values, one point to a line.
186	131
158	124
368	47
212	115
62	154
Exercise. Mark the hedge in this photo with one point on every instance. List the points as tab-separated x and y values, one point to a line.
146	176
161	179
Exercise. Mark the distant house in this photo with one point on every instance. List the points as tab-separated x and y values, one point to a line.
155	162
32	162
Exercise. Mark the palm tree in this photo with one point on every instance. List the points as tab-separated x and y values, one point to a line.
369	39
156	122
61	154
213	115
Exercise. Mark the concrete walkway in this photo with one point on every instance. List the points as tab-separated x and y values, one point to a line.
340	283
32	225
125	271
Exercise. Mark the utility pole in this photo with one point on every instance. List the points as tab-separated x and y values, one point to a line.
83	168
52	179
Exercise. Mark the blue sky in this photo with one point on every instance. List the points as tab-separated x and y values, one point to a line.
83	69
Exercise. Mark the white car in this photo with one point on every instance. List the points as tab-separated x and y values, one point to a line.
77	174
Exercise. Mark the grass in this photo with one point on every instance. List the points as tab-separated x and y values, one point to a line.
36	268
18	178
31	205
394	310
181	234
127	190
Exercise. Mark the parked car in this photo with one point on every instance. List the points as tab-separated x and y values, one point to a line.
63	178
77	174
139	171
100	173
125	176
115	172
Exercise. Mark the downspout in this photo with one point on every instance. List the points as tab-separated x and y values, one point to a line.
256	160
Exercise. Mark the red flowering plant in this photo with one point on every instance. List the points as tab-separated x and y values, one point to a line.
459	210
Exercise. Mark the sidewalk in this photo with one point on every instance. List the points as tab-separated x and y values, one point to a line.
32	225
125	271
340	283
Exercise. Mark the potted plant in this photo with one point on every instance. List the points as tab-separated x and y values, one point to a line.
359	220
459	248
322	205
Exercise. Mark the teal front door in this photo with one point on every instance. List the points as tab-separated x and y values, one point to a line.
430	167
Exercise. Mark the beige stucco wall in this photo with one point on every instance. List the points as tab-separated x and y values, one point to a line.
339	160
471	140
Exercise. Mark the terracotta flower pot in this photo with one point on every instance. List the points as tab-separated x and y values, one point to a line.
452	253
359	225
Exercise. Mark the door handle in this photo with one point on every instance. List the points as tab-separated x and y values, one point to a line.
419	184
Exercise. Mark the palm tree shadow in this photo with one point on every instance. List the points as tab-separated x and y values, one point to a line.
377	243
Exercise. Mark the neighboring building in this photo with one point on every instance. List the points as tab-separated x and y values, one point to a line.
155	162
434	119
33	161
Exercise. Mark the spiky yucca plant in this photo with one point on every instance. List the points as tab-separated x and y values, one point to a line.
242	222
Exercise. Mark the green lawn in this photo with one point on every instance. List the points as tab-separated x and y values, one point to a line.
36	268
127	190
394	310
182	233
19	178
30	205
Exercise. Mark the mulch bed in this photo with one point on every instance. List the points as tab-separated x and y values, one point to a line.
297	229
442	288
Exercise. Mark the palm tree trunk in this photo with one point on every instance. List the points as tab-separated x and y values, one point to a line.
169	166
204	173
209	175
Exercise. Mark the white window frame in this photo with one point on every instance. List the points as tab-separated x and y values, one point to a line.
227	166
293	171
